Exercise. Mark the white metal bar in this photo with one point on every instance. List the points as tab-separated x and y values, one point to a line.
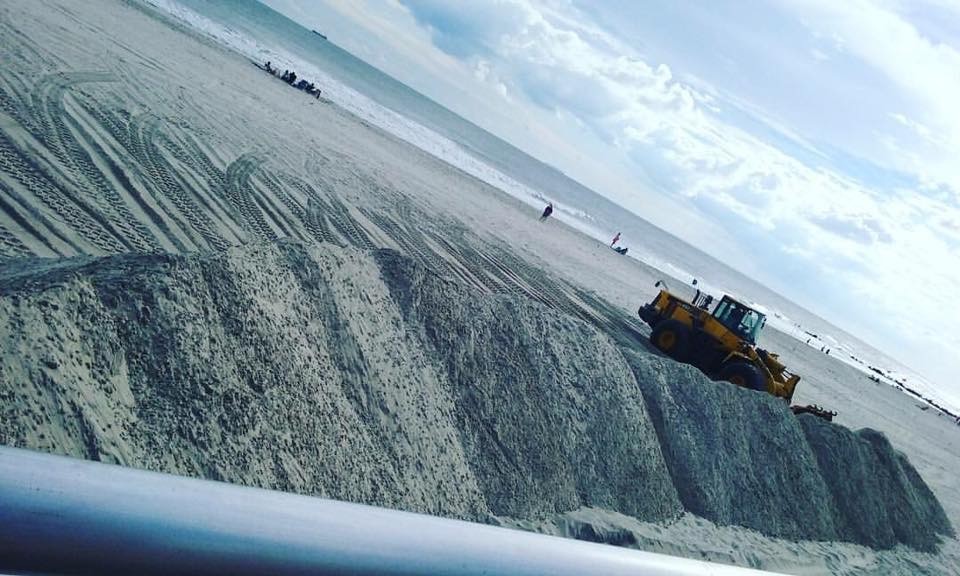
61	515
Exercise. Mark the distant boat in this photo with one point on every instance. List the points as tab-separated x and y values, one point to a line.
319	34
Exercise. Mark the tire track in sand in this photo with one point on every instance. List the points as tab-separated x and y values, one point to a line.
78	151
130	191
237	189
46	107
26	163
339	216
309	216
142	134
10	245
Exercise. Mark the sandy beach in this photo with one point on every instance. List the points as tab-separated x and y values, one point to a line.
205	272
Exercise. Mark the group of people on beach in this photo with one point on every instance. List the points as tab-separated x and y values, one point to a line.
291	78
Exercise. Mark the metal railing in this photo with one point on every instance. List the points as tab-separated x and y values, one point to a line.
61	515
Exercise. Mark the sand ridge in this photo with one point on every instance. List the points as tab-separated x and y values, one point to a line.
367	377
736	457
293	367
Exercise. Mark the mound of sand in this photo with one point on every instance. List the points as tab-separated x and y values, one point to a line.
739	457
878	497
548	408
300	369
736	456
363	376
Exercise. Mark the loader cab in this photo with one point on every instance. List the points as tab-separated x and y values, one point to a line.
740	319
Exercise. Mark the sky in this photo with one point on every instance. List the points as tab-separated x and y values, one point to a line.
813	144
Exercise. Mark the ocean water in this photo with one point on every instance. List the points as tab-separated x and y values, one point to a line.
262	34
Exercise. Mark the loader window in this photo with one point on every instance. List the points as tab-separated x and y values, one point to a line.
746	322
750	325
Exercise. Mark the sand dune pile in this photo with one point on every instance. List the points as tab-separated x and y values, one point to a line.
737	457
547	407
300	369
363	376
740	457
877	495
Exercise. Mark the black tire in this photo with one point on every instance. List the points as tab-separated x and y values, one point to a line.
672	337
744	375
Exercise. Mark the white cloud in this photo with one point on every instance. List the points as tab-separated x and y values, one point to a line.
819	55
922	70
917	128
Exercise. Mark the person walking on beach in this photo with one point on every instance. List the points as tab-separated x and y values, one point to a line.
615	239
547	212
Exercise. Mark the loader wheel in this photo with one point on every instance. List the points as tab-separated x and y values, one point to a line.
744	375
672	337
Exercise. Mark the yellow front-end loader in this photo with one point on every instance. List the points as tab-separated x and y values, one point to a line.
722	344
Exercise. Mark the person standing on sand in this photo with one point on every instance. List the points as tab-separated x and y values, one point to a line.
615	239
547	212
